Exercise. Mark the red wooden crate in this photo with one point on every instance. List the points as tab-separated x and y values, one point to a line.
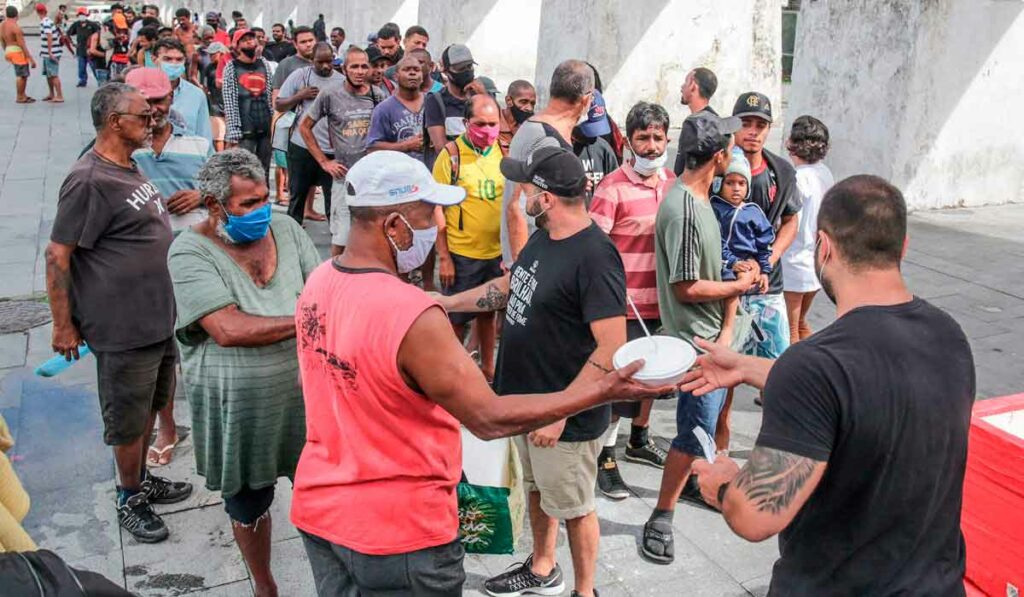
993	510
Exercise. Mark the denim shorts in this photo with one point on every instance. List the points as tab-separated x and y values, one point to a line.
248	505
51	68
696	411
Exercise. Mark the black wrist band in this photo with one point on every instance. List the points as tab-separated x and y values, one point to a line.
721	492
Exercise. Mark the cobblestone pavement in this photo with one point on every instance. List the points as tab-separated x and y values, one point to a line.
967	261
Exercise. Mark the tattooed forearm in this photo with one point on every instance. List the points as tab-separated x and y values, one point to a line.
771	479
493	299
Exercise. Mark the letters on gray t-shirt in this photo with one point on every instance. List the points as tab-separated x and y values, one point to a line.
529	138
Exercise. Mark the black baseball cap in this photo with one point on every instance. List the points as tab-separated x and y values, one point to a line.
456	54
373	54
753	103
705	134
554	169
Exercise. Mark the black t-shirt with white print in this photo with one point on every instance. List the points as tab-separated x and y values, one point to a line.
557	289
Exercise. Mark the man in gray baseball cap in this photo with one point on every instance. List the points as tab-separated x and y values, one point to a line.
693	300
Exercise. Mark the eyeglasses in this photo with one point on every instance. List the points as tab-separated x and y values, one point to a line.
145	116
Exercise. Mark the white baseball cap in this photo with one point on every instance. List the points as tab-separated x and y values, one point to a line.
384	178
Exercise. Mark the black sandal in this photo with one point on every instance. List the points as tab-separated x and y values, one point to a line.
658	536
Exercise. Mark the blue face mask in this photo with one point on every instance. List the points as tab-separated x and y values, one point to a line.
250	227
173	71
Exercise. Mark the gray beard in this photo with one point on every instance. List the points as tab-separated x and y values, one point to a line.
223	234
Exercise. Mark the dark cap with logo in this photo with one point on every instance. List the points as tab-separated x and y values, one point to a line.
753	103
553	169
705	134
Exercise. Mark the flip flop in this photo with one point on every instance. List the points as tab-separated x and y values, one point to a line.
159	454
315	217
657	544
27	100
57	101
47	99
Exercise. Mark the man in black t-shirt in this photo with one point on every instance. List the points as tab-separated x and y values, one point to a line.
859	466
773	189
443	111
588	144
82	29
564	319
698	88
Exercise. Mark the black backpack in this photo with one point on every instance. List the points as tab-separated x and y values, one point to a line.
43	574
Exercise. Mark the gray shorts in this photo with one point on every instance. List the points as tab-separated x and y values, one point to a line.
133	384
431	572
564	475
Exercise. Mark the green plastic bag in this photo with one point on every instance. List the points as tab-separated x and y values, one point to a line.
491	518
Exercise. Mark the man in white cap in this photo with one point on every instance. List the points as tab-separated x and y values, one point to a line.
386	385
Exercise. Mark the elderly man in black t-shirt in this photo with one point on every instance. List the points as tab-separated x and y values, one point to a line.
108	285
859	466
564	320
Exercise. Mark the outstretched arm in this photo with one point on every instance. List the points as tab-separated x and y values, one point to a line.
491	296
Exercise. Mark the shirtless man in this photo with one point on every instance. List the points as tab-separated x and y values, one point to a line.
14	52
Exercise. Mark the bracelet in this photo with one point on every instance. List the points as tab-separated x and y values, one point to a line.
721	492
599	366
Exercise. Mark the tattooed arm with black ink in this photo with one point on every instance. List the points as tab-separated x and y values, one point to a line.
492	296
66	338
759	500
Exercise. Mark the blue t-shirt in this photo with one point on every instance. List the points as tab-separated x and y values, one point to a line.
393	122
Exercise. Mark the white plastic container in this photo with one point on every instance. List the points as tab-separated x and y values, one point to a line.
666	359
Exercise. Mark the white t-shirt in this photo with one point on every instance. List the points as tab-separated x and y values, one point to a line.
812	182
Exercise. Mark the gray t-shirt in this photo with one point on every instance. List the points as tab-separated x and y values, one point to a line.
121	292
348	118
529	138
286	67
300	79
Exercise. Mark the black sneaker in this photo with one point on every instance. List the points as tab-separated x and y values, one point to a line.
138	518
609	480
164	491
578	594
691	493
519	579
650	454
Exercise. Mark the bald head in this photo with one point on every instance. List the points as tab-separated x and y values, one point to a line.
481	106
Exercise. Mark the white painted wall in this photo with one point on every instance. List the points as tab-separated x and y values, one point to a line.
642	48
922	92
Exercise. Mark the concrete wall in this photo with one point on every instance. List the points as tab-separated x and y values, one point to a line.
922	92
642	48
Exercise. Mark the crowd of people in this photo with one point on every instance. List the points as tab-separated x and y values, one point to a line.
490	254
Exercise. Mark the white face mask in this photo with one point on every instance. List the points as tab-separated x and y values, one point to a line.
81	17
414	256
648	166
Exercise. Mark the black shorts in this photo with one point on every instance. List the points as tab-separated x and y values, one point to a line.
133	384
631	410
248	505
470	273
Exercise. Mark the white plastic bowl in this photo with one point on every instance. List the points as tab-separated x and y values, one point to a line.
666	359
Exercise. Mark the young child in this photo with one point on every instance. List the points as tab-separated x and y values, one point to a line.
746	232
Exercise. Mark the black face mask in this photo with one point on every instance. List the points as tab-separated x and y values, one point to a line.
249	52
462	79
520	115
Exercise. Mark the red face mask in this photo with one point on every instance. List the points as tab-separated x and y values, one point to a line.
482	136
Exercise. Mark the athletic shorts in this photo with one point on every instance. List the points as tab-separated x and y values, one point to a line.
696	411
341	220
133	384
21	71
281	158
51	68
564	475
470	273
770	336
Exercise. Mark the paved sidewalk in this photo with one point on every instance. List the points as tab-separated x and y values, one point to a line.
969	262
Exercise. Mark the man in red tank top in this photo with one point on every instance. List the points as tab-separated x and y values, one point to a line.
386	385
